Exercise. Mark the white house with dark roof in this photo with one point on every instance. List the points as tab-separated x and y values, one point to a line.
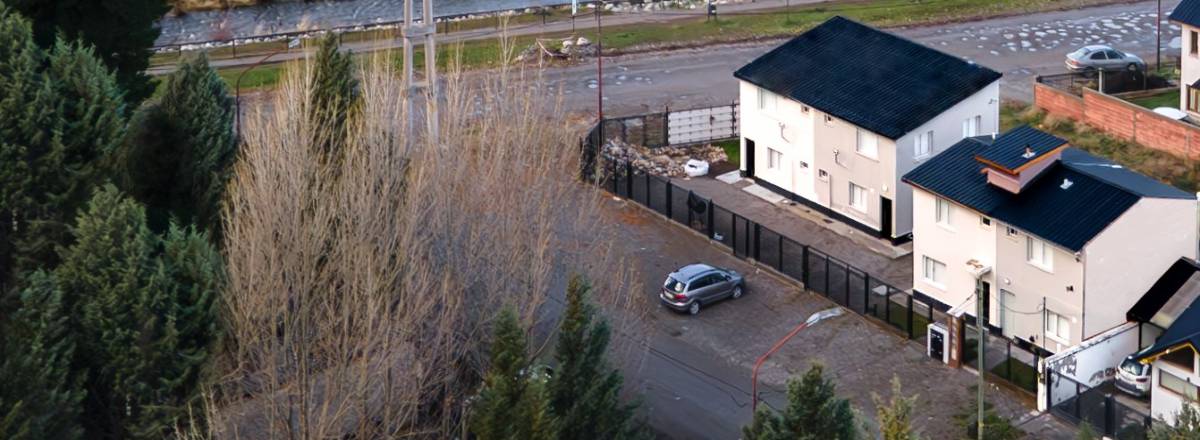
1064	242
1187	15
834	117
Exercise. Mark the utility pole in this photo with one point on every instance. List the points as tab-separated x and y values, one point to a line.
980	321
425	31
600	70
1158	18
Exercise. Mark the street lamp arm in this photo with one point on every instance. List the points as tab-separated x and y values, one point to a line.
812	320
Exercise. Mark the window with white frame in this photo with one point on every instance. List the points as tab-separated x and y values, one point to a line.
858	197
868	144
1038	253
944	210
1177	385
923	145
934	270
1058	326
766	100
774	158
970	126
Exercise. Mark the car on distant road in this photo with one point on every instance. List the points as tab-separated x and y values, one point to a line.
696	285
1101	57
1133	377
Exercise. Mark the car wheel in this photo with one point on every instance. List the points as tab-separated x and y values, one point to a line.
737	292
1133	67
694	308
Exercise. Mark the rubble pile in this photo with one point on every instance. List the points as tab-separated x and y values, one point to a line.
661	161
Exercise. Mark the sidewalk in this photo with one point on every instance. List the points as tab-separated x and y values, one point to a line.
847	244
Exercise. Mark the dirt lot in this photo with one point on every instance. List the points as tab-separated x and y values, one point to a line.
694	374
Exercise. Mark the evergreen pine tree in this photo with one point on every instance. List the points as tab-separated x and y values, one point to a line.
895	414
179	151
40	396
814	412
143	314
584	390
122	31
995	426
334	98
512	404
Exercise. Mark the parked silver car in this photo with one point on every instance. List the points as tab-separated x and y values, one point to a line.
1101	57
1133	377
694	285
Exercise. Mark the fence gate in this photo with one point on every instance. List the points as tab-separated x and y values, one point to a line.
702	124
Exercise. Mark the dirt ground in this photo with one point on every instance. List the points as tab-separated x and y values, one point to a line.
694	376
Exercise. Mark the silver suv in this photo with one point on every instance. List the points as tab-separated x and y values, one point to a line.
694	285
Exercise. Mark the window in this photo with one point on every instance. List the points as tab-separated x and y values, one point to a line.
1113	55
1099	56
943	212
858	197
934	270
985	221
1195	47
1038	253
804	109
1193	99
766	100
774	158
970	126
828	120
1177	385
1058	327
924	145
823	175
1012	232
868	144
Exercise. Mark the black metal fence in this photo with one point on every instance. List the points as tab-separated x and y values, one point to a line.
1115	81
1096	406
1004	359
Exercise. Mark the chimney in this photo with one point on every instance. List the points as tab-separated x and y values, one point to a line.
1016	158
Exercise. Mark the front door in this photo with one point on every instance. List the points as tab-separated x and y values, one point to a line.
885	217
987	303
749	158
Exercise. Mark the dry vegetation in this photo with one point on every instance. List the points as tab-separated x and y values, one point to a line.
362	287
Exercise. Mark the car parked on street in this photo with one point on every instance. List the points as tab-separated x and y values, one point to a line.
1101	57
1133	377
696	285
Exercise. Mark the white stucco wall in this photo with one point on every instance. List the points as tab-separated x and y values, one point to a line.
1164	403
947	131
1090	363
966	238
1131	254
1034	289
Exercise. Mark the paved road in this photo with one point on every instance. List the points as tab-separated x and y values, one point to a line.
1019	47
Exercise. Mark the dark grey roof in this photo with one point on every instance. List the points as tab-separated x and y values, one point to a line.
1185	330
1187	11
1008	151
1166	288
1069	217
873	79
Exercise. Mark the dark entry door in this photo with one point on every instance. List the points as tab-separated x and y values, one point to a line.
937	344
749	158
987	303
885	217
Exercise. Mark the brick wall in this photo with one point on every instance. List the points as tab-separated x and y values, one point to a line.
1057	102
1121	119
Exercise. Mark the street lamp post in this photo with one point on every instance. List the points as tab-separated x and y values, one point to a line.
812	320
237	87
600	70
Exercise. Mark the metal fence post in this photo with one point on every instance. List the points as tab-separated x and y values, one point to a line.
629	179
666	118
757	238
646	177
1078	405
804	261
780	260
827	292
1008	362
846	288
733	232
887	304
866	292
669	201
910	317
1110	415
689	209
709	229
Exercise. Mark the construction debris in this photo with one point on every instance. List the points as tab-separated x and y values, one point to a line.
662	161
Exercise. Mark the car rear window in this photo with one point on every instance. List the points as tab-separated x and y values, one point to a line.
1080	52
674	285
1133	367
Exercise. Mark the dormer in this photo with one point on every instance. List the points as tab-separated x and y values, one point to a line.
1019	156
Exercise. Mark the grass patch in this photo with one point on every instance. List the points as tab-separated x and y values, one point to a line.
1167	168
259	77
733	151
1022	375
1169	98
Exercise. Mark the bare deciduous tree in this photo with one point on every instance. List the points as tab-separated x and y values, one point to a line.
362	288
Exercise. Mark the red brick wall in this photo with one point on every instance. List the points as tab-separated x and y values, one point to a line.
1121	119
1057	102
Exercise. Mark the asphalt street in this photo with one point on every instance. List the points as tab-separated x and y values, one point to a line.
1020	47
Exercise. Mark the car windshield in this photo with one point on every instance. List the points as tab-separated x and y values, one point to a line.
1133	367
674	285
1080	52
